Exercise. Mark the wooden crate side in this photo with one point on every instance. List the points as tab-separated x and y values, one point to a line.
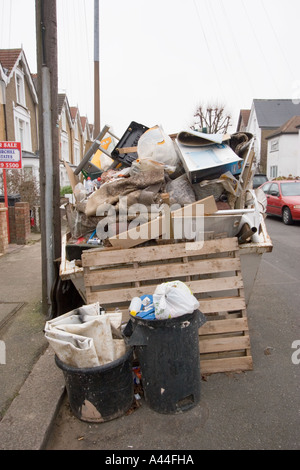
109	257
213	273
128	273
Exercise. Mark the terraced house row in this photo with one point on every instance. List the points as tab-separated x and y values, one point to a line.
19	117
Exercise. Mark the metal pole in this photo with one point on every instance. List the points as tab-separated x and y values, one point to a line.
6	203
96	70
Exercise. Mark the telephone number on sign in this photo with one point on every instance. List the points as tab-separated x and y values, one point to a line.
10	165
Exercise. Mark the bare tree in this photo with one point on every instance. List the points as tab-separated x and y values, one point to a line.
212	119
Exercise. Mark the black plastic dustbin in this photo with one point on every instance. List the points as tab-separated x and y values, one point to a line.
11	199
101	393
169	358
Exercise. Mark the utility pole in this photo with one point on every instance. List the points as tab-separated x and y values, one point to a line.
96	70
46	39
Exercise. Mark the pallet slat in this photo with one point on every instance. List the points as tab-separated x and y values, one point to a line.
212	271
233	364
109	256
131	274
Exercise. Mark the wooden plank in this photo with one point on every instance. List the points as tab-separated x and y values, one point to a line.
221	304
224	326
174	270
126	150
233	364
72	177
224	344
109	257
208	203
138	235
160	226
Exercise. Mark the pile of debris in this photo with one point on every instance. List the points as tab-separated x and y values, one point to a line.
149	175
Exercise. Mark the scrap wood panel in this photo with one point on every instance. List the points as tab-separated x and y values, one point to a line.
211	269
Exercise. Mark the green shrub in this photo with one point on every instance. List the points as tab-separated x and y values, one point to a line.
66	190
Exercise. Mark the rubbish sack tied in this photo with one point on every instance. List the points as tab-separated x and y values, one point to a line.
86	337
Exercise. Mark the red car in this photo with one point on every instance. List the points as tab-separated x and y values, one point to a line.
283	199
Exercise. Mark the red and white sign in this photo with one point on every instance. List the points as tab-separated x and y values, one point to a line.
10	155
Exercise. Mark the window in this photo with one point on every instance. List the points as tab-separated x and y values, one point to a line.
274	145
65	148
266	187
76	130
63	120
2	92
290	189
274	189
76	154
22	128
20	88
273	171
28	173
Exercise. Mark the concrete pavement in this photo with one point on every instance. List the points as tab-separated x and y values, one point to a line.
31	386
254	410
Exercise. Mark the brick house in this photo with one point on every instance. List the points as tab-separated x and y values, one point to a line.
87	136
74	136
19	117
19	107
77	135
267	115
243	120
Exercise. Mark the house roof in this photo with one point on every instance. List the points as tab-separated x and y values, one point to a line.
244	116
8	58
73	111
60	102
289	127
274	113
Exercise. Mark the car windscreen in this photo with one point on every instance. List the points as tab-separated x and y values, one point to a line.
259	180
290	189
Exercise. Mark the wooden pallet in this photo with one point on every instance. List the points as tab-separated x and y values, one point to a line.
211	269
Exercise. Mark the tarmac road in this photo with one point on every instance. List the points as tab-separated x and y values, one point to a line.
256	410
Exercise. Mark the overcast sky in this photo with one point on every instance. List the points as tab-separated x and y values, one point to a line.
160	59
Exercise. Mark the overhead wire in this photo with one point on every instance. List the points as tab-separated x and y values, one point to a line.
211	55
78	79
276	37
236	46
2	23
9	34
66	56
88	46
221	46
270	75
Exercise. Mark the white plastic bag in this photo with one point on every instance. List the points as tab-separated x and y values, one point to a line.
156	145
173	299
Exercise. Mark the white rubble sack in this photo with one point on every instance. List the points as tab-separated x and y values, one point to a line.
84	337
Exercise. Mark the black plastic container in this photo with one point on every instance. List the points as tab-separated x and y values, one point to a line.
169	358
130	138
11	199
100	394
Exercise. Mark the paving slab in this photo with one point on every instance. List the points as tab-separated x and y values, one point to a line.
28	420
